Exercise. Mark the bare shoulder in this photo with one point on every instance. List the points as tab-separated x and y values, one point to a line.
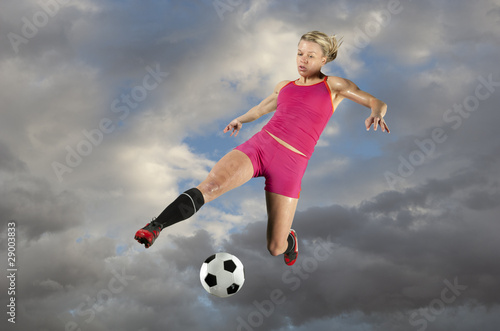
280	85
340	84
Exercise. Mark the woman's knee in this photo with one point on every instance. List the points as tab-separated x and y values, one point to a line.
276	247
210	189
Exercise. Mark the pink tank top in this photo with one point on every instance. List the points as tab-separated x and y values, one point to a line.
301	115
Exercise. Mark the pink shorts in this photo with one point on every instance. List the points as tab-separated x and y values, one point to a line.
282	168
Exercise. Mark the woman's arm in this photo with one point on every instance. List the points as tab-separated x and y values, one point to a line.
344	88
266	106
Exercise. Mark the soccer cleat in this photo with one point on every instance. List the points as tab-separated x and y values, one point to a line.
148	234
291	257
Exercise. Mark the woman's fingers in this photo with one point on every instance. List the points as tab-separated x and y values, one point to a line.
376	121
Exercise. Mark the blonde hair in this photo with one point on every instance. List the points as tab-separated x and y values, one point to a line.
329	44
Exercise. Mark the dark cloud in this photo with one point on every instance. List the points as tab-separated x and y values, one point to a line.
385	258
34	202
9	163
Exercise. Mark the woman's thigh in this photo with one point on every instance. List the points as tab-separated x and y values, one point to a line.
232	171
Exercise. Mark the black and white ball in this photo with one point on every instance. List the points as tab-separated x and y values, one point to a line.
222	274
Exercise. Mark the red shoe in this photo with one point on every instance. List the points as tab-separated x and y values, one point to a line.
291	257
148	234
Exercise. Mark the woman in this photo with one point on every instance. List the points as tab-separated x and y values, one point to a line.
281	150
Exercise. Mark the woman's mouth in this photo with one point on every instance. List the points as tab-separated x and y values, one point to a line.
302	68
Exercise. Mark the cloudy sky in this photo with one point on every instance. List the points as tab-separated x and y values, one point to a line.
110	109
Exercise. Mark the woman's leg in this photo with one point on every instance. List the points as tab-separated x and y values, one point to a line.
280	211
232	171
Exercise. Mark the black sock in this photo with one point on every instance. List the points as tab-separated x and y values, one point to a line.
185	206
291	244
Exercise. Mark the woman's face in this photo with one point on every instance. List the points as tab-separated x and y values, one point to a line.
310	58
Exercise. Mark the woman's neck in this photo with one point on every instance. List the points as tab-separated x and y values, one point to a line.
310	80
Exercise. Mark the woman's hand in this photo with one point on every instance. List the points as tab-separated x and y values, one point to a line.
234	126
376	120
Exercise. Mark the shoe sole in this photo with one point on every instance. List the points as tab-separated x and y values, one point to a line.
142	239
296	248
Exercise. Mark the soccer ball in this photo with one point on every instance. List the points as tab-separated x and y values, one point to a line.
222	274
